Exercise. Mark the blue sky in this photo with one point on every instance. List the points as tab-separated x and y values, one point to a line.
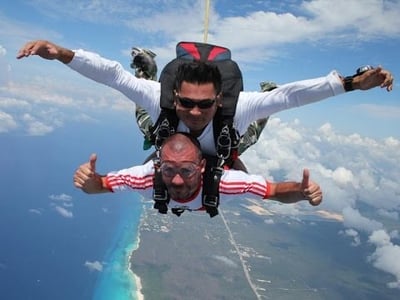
350	143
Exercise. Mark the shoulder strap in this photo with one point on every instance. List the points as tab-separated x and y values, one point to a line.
160	193
211	180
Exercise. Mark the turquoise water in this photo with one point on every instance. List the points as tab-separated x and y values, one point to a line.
116	280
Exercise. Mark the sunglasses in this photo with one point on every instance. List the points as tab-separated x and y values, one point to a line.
189	103
185	169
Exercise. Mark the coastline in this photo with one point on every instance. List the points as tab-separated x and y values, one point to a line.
137	280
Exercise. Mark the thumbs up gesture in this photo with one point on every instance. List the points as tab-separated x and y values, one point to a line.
86	178
311	190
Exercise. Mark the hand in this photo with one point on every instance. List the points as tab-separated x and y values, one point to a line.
373	78
86	178
46	50
311	190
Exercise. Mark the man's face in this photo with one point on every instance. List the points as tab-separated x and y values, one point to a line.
196	118
181	172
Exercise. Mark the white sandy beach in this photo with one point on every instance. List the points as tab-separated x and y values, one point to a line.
137	280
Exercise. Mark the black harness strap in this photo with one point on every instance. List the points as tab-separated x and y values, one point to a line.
211	179
160	193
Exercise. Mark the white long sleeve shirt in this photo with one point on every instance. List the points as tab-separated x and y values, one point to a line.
251	106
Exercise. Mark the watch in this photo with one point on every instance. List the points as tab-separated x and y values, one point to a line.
348	80
348	83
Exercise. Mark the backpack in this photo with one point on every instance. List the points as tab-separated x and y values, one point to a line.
226	137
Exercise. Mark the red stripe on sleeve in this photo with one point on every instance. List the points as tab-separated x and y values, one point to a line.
106	184
268	191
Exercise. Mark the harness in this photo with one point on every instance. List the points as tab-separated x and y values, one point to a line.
226	137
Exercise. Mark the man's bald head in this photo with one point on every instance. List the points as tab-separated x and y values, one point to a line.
182	143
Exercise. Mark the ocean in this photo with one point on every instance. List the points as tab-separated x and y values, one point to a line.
45	256
116	281
57	242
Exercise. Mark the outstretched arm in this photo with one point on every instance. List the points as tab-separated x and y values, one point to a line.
46	50
86	178
291	192
145	93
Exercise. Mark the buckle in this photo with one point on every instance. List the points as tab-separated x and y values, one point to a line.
210	201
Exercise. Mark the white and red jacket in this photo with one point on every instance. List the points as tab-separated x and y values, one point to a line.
233	183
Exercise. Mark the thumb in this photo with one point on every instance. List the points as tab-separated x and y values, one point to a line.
92	162
306	179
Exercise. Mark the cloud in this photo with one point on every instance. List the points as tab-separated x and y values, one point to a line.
380	111
64	212
226	261
36	127
94	266
386	256
393	215
3	51
40	105
66	200
61	197
354	235
352	170
7	122
354	219
35	211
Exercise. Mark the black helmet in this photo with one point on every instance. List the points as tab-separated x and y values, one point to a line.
144	64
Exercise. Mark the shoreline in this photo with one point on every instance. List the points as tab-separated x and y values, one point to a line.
137	280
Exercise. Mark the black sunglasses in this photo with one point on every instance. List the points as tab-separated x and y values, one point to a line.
189	103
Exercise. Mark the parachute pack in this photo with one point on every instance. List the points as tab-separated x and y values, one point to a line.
226	137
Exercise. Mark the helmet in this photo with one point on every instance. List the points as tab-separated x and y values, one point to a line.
144	64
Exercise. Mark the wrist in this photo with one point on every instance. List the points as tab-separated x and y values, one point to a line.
65	55
348	83
353	82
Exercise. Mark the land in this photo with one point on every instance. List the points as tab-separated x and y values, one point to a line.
250	252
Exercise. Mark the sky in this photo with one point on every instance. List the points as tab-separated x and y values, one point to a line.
350	142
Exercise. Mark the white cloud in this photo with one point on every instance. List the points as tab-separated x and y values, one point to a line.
226	261
94	266
3	51
380	111
352	170
64	212
354	219
386	256
60	197
269	221
67	204
35	126
342	176
35	211
7	122
354	235
394	215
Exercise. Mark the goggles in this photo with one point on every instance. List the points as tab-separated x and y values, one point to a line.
190	103
185	169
